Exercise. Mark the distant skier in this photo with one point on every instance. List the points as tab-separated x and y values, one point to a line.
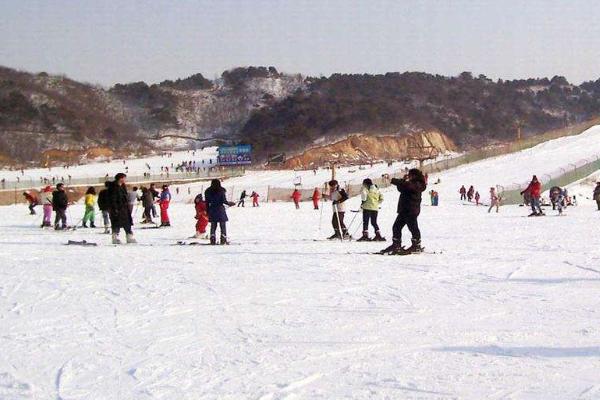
215	205
338	197
470	194
477	198
242	201
90	204
494	200
596	194
254	196
201	216
165	200
60	202
371	199
46	200
434	197
118	208
463	193
316	196
296	197
534	189
32	200
561	200
411	188
104	205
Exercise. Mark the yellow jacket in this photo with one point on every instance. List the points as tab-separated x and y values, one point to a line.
90	200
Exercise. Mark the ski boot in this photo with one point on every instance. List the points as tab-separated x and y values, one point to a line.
213	240
334	236
115	238
224	240
84	225
92	225
533	214
394	248
130	239
364	237
58	227
414	248
378	237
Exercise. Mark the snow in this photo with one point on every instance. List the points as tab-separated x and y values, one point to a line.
509	309
503	306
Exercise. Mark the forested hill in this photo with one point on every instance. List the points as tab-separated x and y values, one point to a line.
277	112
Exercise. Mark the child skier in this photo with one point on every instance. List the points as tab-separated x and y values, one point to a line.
46	199
32	200
296	197
463	193
338	197
316	196
242	201
201	216
165	199
470	193
254	197
90	202
561	198
371	199
494	200
477	198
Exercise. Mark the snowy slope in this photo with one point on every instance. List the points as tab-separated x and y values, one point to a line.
508	310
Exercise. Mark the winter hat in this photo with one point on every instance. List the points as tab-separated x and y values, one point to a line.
333	183
368	182
120	175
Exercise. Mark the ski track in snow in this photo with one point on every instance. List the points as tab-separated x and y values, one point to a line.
506	309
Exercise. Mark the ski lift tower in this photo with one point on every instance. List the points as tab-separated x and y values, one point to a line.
420	152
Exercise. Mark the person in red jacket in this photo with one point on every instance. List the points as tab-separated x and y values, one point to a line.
316	196
296	196
201	216
535	191
254	197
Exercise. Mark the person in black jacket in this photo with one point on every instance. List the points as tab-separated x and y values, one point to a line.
215	205
118	209
60	203
411	188
103	205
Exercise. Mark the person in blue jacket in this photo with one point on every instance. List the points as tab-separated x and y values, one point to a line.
216	201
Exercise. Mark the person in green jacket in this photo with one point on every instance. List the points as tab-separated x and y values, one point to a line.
371	201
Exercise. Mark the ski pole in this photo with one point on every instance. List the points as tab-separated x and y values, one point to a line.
352	221
337	216
321	215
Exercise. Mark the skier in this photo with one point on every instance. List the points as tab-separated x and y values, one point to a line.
118	208
155	195
338	197
215	206
596	194
132	198
165	199
46	199
296	196
148	204
32	200
477	198
371	199
411	188
242	199
104	205
494	200
436	198
316	196
463	192
470	194
201	216
254	197
90	202
534	189
561	198
60	203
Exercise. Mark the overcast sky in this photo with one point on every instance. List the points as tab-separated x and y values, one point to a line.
121	41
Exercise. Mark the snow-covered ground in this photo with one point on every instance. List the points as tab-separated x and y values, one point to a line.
508	309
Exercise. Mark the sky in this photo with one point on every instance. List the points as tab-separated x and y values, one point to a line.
107	41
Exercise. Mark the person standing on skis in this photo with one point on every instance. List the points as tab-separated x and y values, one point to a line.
494	200
32	200
338	197
470	194
463	193
596	194
296	197
165	200
201	216
90	203
118	209
534	189
46	198
148	205
242	201
477	198
316	196
254	196
60	202
411	188
215	206
371	199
